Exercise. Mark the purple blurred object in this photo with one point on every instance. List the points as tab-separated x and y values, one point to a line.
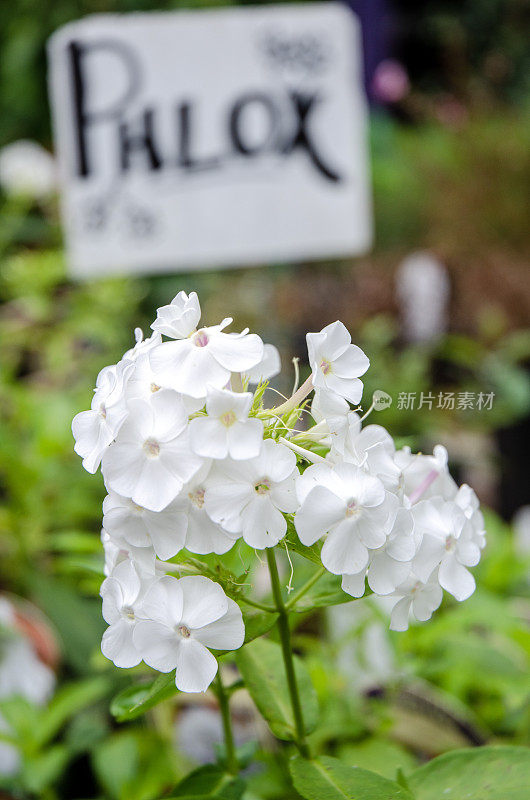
376	23
390	83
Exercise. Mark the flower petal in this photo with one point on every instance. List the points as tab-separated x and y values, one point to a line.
226	633
196	667
204	601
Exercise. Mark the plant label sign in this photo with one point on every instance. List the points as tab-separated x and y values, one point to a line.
203	139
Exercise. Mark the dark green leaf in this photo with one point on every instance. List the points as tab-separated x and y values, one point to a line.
482	773
136	700
257	623
210	781
328	779
293	543
261	665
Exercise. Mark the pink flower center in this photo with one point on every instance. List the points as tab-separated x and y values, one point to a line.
351	508
201	339
325	366
184	631
151	448
228	419
262	486
197	497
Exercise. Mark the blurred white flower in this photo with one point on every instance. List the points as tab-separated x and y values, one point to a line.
27	169
423	291
422	598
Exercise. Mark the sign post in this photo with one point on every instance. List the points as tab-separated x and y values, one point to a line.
202	139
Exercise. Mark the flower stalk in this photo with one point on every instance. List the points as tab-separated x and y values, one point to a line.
286	645
224	707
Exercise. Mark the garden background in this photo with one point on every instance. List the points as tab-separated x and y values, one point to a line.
449	130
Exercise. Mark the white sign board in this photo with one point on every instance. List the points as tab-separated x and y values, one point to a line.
224	137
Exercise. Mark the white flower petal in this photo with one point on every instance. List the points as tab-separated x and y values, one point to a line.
117	645
226	633
203	601
456	579
320	511
196	667
157	644
342	552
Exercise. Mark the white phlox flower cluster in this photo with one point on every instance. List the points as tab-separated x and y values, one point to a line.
193	461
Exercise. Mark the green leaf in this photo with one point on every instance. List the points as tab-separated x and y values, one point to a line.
482	773
261	665
42	770
312	553
77	619
67	702
257	623
210	781
135	700
329	779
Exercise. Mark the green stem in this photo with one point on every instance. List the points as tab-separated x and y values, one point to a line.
231	758
287	652
305	588
255	604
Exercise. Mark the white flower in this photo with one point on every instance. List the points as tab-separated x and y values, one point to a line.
94	430
227	430
182	618
269	366
142	345
371	447
151	459
205	358
118	549
468	501
164	530
248	497
421	597
180	318
202	535
336	363
390	564
425	476
121	593
26	168
348	505
447	541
